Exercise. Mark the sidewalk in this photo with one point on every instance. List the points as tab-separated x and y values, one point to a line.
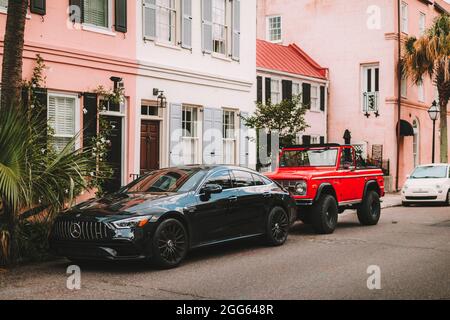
391	200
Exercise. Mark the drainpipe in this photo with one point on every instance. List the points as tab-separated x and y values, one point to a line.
399	93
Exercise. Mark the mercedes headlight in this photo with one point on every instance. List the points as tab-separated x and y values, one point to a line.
300	188
132	222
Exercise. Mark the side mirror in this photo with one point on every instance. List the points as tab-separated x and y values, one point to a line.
210	189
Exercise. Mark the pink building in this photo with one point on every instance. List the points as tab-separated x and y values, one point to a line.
358	41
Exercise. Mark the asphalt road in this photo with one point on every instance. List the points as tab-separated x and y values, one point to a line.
411	246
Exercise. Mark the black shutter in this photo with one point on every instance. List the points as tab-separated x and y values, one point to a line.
306	95
38	7
306	140
90	117
286	89
25	97
40	107
259	89
322	140
121	16
268	90
74	14
322	98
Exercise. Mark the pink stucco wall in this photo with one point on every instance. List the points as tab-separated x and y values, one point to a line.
79	61
337	34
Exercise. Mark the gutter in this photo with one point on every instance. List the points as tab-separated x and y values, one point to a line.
399	93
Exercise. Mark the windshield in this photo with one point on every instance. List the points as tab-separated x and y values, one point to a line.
166	180
308	158
429	172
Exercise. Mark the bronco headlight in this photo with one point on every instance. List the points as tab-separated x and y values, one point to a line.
300	188
132	222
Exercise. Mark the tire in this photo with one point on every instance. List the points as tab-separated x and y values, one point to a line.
447	202
277	227
370	209
169	244
324	215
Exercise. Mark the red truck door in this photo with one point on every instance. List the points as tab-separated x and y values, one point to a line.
348	183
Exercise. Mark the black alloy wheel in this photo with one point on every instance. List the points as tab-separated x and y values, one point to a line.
170	244
277	226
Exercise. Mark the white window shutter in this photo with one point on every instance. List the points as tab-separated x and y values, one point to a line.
212	136
207	26
186	29
236	46
61	118
149	19
176	133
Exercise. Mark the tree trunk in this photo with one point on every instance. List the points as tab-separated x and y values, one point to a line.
13	53
8	241
443	130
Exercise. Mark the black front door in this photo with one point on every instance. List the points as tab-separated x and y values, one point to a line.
211	220
114	155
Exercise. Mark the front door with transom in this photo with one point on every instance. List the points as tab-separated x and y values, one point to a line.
149	145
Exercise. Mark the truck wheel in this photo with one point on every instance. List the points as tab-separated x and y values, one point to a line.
370	209
324	215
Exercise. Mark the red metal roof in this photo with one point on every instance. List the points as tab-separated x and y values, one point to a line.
290	59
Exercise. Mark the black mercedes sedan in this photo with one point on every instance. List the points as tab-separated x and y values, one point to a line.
165	213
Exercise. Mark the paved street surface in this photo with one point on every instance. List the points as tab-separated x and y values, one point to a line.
410	245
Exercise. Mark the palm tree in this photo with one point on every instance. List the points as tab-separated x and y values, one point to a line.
430	55
13	52
33	175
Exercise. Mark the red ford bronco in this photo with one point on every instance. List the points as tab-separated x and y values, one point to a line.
327	179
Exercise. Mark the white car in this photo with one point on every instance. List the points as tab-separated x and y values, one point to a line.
428	183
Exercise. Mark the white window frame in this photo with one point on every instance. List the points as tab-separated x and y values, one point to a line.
273	92
225	26
421	92
404	87
175	10
404	17
230	140
4	9
106	30
315	99
315	139
269	29
422	23
364	80
193	139
77	125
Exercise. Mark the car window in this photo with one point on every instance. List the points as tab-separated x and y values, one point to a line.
242	179
222	178
260	180
429	172
347	158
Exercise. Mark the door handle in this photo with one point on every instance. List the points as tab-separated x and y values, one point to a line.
232	198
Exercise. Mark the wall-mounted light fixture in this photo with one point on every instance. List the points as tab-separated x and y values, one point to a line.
162	100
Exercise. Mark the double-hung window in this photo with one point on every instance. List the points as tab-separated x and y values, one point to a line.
274	28
3	5
229	137
422	23
220	28
315	106
190	137
370	87
404	17
421	92
160	20
97	13
61	114
275	91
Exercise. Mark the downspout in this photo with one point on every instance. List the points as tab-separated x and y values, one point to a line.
399	93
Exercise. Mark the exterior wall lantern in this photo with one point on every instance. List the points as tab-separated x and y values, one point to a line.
162	100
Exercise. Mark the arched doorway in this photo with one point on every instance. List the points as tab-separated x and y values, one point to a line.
416	143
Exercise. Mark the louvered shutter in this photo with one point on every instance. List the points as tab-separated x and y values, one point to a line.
322	98
268	90
176	133
186	28
244	143
149	19
259	89
90	118
236	46
207	26
306	140
121	15
76	10
61	118
286	89
213	136
322	140
38	7
306	95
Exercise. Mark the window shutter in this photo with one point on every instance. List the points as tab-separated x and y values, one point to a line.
121	16
322	98
268	90
149	19
176	132
186	29
207	26
90	117
77	10
286	89
40	107
244	143
213	136
306	87
306	140
236	46
38	7
259	89
322	140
